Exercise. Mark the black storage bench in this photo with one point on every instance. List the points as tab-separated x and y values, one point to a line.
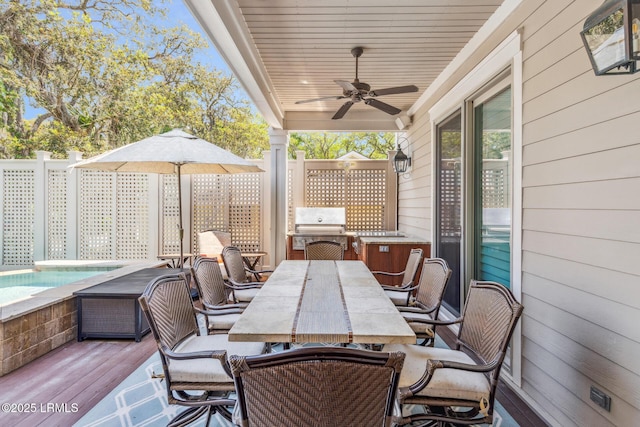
111	309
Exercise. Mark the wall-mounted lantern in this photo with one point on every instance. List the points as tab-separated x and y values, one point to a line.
401	161
611	35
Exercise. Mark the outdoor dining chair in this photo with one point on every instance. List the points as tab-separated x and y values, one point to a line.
217	309
316	386
458	386
400	295
323	250
242	289
426	305
195	367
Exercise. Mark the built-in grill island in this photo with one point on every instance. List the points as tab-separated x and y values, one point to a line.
313	224
384	250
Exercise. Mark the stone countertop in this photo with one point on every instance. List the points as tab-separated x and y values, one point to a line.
393	240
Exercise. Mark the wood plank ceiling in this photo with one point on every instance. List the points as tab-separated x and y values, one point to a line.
304	45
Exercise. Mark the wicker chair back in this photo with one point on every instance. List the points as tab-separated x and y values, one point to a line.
433	281
167	304
317	386
490	315
324	250
209	281
410	270
233	263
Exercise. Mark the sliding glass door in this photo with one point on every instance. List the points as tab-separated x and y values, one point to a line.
473	185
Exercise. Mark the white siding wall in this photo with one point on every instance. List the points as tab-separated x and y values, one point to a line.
414	191
581	218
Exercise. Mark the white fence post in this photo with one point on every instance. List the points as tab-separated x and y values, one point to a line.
267	237
72	206
40	203
299	179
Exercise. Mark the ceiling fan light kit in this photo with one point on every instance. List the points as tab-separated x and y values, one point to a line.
358	91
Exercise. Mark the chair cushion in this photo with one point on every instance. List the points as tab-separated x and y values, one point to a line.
223	321
418	328
398	297
207	370
452	383
245	295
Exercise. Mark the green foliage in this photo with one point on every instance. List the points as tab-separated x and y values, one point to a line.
494	143
104	77
328	145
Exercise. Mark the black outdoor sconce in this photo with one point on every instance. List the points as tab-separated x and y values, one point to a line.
611	35
401	161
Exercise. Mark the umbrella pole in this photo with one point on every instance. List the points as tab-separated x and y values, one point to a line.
180	229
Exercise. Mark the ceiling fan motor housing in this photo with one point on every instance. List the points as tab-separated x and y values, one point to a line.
363	89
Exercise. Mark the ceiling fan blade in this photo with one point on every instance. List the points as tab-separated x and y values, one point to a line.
348	86
342	111
394	90
389	109
324	98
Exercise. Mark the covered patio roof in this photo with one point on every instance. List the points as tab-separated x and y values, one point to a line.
285	51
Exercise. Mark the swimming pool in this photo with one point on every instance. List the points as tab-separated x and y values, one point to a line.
15	286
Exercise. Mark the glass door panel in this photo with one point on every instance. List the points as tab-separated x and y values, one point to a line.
449	206
492	188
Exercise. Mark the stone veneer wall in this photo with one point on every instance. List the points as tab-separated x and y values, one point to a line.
29	336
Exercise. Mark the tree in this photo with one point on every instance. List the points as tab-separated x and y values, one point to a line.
328	145
104	76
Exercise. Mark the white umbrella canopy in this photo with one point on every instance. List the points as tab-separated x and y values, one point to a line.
162	153
172	152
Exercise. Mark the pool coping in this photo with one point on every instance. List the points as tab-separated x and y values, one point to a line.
61	293
32	327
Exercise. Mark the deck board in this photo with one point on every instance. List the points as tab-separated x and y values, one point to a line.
78	372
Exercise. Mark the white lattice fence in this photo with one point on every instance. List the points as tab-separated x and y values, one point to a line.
291	219
366	194
231	203
325	188
57	214
170	215
111	215
18	216
210	204
132	225
362	190
245	219
97	215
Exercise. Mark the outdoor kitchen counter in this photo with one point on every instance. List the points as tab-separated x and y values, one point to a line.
392	240
390	254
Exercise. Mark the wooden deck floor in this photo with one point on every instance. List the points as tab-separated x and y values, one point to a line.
80	374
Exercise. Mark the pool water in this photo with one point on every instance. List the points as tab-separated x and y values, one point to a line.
16	286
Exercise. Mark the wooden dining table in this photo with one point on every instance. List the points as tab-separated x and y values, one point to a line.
322	302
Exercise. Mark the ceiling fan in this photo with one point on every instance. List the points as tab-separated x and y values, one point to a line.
360	91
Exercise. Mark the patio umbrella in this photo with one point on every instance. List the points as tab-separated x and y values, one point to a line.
171	152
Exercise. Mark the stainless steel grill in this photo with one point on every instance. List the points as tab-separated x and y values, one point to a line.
312	224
